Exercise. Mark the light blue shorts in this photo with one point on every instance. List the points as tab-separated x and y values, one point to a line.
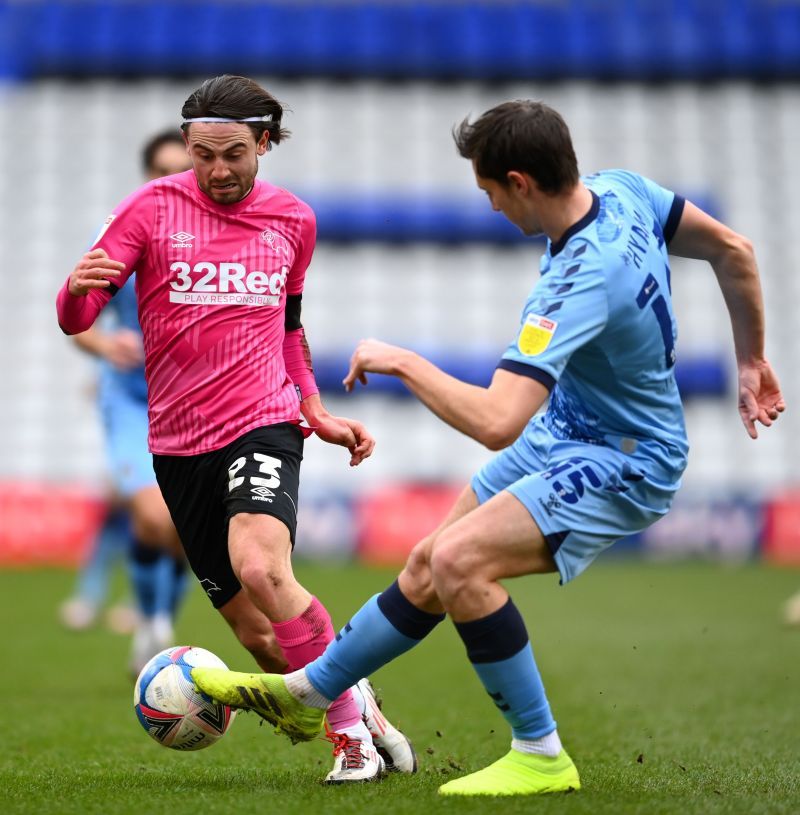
583	497
125	425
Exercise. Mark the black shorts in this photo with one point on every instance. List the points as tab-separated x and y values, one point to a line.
259	472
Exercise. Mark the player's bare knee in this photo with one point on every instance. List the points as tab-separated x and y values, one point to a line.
417	567
418	587
450	567
153	527
257	577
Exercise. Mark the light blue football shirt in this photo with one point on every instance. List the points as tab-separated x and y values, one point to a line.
598	328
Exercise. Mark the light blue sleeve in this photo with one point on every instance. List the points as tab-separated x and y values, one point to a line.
567	309
661	199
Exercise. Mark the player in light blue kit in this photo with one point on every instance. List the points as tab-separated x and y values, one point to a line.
597	337
155	558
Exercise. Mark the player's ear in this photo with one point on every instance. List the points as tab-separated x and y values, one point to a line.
519	182
261	146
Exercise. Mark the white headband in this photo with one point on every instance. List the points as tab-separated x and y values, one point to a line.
267	118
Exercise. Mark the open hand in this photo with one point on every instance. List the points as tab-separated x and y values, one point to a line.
760	398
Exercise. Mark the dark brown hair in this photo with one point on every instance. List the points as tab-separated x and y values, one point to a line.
237	97
155	143
522	136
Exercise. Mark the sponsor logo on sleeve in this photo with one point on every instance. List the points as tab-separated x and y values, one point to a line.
103	229
536	334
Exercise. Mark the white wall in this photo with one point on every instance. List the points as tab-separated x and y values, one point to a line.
69	153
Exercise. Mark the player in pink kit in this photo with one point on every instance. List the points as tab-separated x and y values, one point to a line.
220	260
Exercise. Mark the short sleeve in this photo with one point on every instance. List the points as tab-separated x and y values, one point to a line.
667	205
567	309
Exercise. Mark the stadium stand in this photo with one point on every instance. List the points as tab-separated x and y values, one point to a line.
409	250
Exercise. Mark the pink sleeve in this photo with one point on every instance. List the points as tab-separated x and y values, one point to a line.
305	249
297	359
77	314
296	353
124	237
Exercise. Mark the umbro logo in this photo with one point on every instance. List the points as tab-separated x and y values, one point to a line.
182	240
262	494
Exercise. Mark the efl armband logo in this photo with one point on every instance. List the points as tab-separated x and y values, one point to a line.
103	229
536	334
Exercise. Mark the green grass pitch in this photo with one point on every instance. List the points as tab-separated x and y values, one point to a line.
676	689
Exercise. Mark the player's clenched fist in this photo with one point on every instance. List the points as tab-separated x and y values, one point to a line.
93	272
347	433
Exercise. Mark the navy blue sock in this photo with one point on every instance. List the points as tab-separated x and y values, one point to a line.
386	626
180	583
500	653
144	568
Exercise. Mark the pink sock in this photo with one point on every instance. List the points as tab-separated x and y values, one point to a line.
302	640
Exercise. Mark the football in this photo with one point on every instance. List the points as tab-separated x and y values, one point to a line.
169	706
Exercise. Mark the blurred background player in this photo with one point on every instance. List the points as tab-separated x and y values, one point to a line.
138	521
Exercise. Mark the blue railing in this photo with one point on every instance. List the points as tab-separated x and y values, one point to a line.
697	375
386	217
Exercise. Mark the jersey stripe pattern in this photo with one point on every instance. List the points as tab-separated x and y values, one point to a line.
212	281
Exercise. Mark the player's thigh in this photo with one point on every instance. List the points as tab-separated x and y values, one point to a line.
528	454
191	489
418	560
262	474
496	540
151	519
262	471
259	543
415	580
589	497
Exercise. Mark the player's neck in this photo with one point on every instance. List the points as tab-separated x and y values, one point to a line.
562	211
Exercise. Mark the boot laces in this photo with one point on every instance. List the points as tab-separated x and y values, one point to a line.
349	748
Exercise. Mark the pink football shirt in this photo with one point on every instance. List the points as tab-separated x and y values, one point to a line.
211	282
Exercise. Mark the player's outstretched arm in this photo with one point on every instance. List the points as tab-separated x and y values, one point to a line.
732	257
493	416
82	297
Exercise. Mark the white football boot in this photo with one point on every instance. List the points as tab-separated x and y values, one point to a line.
152	635
77	614
355	760
394	748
